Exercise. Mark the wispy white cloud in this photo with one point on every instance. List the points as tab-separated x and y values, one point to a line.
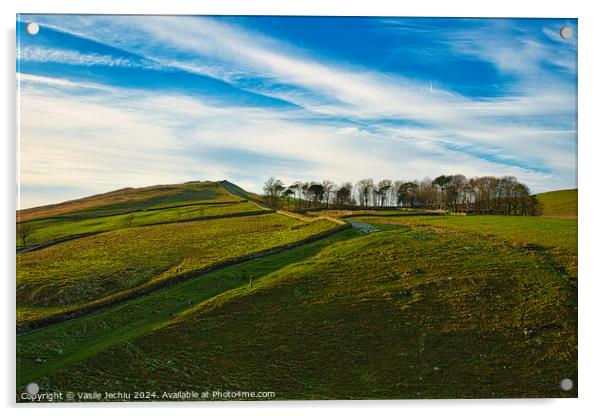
72	57
229	52
57	82
515	52
133	138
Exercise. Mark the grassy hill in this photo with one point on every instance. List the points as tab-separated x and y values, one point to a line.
424	306
237	191
132	207
49	229
85	269
66	343
130	200
559	203
556	237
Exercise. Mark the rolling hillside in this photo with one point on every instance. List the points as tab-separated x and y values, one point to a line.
561	204
237	191
402	305
130	200
86	269
129	207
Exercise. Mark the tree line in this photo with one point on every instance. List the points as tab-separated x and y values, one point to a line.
454	193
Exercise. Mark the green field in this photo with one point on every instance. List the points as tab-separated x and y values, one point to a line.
45	230
489	321
72	341
559	203
82	270
554	236
421	306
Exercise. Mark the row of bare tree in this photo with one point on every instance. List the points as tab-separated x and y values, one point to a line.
455	193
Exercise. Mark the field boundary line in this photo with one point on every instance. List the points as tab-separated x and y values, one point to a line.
191	205
55	241
307	218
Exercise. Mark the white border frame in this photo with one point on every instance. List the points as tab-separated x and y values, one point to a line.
590	30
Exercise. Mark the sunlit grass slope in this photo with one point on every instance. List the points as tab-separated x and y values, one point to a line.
428	306
130	199
46	350
236	190
559	203
48	229
81	270
554	236
402	313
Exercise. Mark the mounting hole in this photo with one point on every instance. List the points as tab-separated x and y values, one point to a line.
33	28
566	384
32	388
566	32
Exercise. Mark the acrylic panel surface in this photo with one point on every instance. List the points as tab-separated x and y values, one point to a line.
295	208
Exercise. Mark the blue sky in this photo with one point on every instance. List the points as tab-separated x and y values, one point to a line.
112	101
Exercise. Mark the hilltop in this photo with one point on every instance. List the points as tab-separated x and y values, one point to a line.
130	199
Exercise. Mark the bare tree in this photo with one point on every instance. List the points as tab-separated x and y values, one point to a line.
306	193
329	188
426	194
273	189
395	192
406	194
316	191
343	195
441	182
454	192
288	192
296	188
24	230
364	188
383	188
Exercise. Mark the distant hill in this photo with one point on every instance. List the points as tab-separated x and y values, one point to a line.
561	203
236	190
130	199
